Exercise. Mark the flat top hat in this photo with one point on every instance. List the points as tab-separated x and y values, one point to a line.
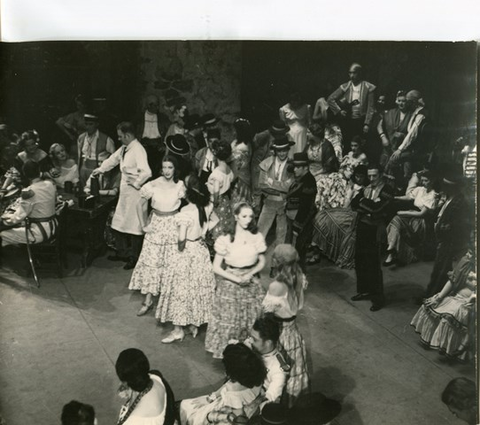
279	127
177	144
300	158
209	119
90	117
282	143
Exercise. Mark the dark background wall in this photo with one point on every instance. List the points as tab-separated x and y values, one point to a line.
39	80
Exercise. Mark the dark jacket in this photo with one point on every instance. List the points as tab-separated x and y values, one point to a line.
301	197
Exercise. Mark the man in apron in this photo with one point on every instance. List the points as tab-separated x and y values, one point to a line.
131	211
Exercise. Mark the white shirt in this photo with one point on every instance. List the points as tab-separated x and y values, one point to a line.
356	96
279	167
150	131
276	376
89	149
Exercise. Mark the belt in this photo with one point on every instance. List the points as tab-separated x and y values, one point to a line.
241	268
281	319
164	213
274	197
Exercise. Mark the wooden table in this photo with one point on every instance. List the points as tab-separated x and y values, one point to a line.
89	223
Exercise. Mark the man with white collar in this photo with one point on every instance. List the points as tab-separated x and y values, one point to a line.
131	211
264	340
275	181
90	146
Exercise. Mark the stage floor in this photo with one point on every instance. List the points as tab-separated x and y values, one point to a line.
60	342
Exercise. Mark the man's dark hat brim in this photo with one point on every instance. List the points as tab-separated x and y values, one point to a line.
177	145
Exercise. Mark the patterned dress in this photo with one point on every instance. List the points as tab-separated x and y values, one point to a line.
235	307
161	235
188	281
291	342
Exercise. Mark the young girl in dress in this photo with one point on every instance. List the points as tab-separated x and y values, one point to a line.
189	282
161	234
239	256
284	299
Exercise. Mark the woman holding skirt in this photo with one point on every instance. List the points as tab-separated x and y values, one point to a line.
189	282
239	256
284	299
160	241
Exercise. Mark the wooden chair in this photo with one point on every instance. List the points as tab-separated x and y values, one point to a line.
51	250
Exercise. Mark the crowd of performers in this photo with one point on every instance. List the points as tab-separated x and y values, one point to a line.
349	181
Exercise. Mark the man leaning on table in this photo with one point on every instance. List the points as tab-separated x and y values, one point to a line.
131	211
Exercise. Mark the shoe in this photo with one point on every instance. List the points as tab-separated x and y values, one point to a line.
390	263
144	309
376	307
117	258
173	337
193	330
360	297
130	265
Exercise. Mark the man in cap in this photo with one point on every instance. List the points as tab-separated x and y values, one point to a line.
131	212
262	149
90	145
274	181
301	207
151	128
401	161
355	102
372	205
452	230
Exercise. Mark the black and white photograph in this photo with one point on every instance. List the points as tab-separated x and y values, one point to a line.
238	232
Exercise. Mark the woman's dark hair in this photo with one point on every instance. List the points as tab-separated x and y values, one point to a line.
132	367
174	161
268	328
28	135
76	413
357	139
242	365
317	129
375	166
222	150
244	131
126	127
213	133
297	98
252	227
31	169
461	394
359	170
198	194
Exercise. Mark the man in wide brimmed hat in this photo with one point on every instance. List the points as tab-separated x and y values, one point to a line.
301	207
90	146
274	181
262	149
452	230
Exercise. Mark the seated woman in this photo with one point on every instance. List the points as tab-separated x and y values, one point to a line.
334	228
446	321
408	229
10	177
356	156
240	395
149	398
67	169
38	204
333	133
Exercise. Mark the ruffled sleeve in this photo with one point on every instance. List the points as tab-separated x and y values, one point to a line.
183	219
181	190
259	243
271	304
146	191
222	245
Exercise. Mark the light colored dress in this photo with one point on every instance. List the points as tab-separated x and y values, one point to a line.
194	411
161	235
223	209
67	174
188	282
133	419
298	121
37	202
291	341
235	307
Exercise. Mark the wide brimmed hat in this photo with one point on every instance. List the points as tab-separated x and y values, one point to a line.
314	409
274	414
176	101
453	179
300	158
209	119
279	127
90	117
177	144
282	143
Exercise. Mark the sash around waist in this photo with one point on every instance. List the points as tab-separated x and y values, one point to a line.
241	268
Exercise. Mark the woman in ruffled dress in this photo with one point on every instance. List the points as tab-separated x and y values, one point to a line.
284	299
161	235
239	256
219	183
189	282
446	321
239	397
296	114
241	158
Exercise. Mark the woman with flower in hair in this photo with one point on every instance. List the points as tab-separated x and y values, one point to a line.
284	299
241	158
239	257
188	286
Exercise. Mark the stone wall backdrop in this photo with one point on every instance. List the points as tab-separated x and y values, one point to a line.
206	73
